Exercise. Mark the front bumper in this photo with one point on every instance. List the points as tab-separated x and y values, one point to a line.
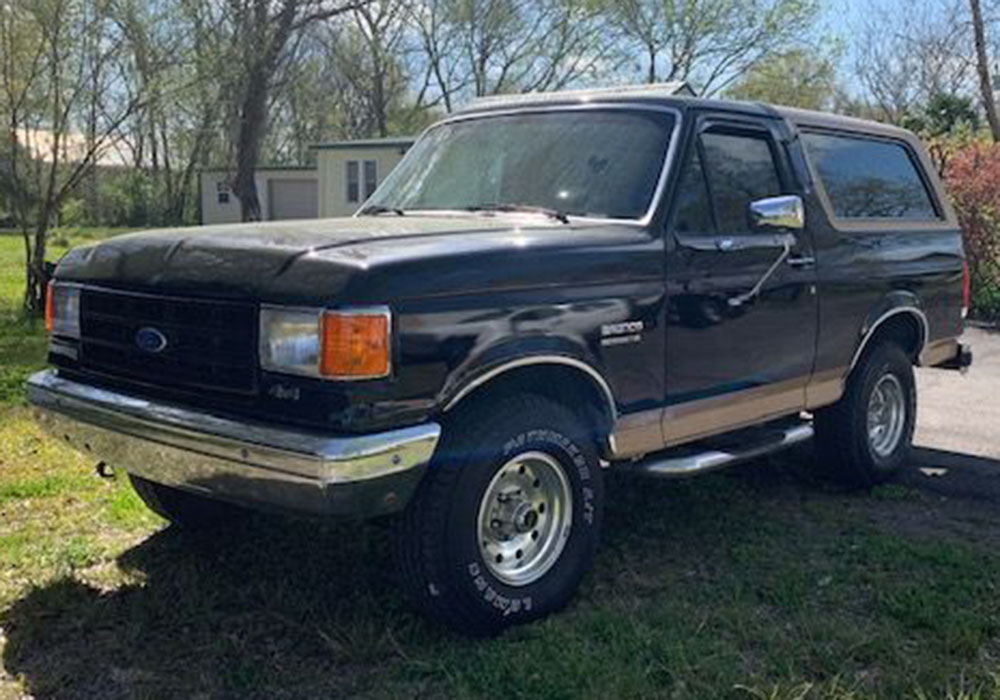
244	462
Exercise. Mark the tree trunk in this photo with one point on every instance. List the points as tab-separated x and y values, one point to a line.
253	108
37	274
253	115
983	66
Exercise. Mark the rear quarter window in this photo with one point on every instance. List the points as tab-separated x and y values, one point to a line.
869	178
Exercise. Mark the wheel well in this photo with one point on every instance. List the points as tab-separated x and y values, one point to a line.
903	328
563	384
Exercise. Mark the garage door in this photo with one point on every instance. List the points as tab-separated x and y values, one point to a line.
292	199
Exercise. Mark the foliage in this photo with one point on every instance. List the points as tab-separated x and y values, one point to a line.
60	94
972	175
796	78
943	114
908	51
73	212
127	200
708	42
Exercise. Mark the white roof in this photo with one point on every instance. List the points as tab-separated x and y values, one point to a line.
678	87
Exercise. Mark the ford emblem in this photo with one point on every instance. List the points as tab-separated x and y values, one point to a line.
150	340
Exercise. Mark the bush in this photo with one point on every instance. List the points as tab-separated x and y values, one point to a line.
126	200
972	174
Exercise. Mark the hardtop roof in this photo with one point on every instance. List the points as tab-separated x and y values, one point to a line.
685	103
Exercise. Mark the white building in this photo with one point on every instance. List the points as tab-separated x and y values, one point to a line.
284	193
345	174
349	171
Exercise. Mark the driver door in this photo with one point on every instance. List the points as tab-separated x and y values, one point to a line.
741	301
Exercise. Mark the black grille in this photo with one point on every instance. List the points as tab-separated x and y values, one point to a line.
209	344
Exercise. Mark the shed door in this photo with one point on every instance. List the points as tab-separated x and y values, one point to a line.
292	199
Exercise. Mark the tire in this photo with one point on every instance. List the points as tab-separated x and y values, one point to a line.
186	510
472	507
850	450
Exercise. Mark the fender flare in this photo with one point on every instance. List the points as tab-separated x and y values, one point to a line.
561	360
892	306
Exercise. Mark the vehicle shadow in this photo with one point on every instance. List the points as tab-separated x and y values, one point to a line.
297	608
279	603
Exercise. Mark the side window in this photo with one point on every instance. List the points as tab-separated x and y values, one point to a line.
740	169
353	181
693	211
371	177
867	178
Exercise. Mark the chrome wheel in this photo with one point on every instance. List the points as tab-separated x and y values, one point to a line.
886	415
525	517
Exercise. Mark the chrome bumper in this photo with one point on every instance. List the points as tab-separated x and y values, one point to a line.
241	461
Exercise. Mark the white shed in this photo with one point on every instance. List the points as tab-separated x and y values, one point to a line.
284	193
349	171
345	175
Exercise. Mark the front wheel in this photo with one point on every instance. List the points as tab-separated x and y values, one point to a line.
866	437
505	524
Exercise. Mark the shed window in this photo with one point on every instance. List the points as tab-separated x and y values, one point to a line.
371	177
353	181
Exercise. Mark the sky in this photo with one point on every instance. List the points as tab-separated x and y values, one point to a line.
844	18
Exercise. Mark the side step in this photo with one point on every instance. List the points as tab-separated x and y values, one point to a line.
757	443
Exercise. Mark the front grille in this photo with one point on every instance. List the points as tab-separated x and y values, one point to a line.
209	344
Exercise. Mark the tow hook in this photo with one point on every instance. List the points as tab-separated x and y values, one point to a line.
104	470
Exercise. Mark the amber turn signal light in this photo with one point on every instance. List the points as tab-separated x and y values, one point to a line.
49	306
354	345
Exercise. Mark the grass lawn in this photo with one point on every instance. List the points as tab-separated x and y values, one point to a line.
763	582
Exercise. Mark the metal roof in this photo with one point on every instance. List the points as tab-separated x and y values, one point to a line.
387	142
259	168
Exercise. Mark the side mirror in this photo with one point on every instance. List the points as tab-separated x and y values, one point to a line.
785	212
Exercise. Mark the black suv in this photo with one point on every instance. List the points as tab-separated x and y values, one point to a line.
544	289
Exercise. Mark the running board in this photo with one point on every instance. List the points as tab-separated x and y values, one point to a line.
711	459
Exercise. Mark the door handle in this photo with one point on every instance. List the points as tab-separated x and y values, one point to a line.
801	261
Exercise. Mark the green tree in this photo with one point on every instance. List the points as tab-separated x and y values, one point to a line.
710	43
797	78
943	114
60	68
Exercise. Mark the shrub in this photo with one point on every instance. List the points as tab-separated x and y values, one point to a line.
972	175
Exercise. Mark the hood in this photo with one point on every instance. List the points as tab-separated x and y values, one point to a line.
305	261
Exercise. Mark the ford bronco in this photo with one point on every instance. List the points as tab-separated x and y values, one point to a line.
545	289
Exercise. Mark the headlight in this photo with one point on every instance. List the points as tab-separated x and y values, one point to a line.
62	309
351	344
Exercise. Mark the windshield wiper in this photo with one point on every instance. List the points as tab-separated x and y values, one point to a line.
560	216
376	209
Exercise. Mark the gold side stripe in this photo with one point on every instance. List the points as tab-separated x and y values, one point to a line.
653	430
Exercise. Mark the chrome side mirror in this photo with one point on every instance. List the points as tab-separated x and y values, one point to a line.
785	212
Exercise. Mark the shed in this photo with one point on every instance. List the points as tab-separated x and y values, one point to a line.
287	192
349	171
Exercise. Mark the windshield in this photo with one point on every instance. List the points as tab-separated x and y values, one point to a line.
601	163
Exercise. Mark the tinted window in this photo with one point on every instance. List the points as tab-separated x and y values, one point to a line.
869	179
740	170
693	213
593	162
